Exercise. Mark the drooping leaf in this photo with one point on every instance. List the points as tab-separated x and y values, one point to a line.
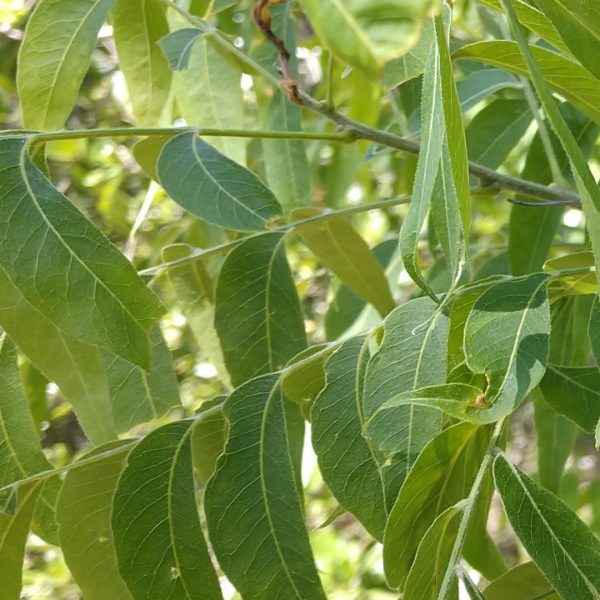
340	248
161	551
441	476
54	57
137	27
14	529
254	496
139	396
566	77
561	545
574	392
432	136
64	267
367	33
257	313
208	438
346	307
507	338
346	461
213	187
426	577
578	24
177	47
212	97
523	582
412	353
83	512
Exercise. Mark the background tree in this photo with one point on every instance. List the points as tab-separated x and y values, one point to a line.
289	289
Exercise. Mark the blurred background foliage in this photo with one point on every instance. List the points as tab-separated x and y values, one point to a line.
103	179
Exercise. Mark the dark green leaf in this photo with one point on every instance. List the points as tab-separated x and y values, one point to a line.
160	547
137	27
214	187
560	544
412	354
594	330
346	461
83	513
55	55
441	476
257	313
177	47
507	338
254	513
64	267
523	582
575	393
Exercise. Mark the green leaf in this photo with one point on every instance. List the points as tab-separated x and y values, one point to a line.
73	365
577	283
286	164
346	462
535	20
83	512
528	252
194	288
213	187
586	183
346	307
412	64
212	97
64	267
578	23
20	451
594	330
507	338
441	476
560	544
254	513
257	313
137	27
208	438
426	576
342	250
412	354
14	529
304	375
161	550
523	582
555	437
147	151
177	47
55	55
496	129
367	33
566	77
432	122
139	396
575	393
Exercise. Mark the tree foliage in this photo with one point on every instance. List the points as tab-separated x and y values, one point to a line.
375	222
